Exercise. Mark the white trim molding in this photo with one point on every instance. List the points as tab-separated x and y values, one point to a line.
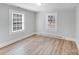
3	44
77	43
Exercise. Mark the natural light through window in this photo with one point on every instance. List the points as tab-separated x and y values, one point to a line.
17	21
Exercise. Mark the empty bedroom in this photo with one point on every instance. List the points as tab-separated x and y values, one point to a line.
39	28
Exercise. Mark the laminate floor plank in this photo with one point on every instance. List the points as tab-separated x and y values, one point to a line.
41	45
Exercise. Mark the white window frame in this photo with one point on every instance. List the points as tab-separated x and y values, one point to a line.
14	12
51	29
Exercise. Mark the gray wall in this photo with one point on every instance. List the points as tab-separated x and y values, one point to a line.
5	20
65	23
77	23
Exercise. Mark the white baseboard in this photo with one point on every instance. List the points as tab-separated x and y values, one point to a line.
3	44
56	36
77	43
66	38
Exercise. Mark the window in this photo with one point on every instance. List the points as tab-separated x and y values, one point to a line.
17	22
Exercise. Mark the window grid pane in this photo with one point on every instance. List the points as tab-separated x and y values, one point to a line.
17	22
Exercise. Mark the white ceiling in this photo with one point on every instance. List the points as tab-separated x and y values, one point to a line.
45	6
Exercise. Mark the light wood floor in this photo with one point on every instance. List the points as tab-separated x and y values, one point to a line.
40	45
